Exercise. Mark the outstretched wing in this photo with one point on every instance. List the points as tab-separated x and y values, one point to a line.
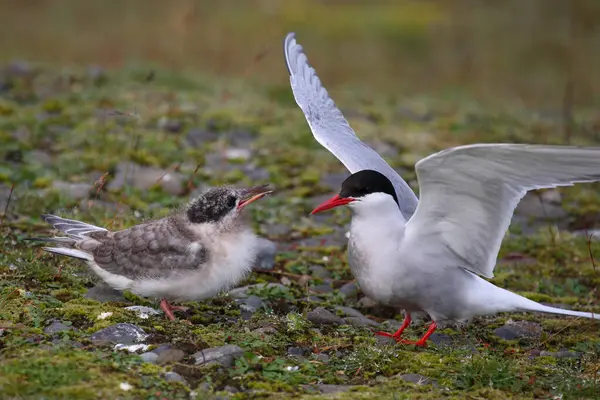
469	193
331	129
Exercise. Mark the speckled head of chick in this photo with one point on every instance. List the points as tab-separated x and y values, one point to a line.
223	205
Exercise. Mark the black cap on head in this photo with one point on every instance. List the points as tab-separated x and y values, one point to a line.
366	182
212	205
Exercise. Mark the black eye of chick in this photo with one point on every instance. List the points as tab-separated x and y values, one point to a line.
231	201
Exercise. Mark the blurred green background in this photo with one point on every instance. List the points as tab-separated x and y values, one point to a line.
537	51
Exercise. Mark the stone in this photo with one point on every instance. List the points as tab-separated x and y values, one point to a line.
267	250
174	377
297	351
322	357
123	333
251	303
321	316
143	312
329	389
224	355
416	379
320	272
349	289
149	357
323	288
170	356
237	154
519	329
367	303
266	330
144	178
76	191
57	327
104	293
360	322
441	339
198	137
556	354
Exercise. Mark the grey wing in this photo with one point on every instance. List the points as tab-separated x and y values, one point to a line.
72	228
154	250
331	129
469	193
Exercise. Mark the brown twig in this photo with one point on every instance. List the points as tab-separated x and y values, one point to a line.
12	188
589	243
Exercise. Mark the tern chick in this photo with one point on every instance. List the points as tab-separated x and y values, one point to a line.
191	255
430	263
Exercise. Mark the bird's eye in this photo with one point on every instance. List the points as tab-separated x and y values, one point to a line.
231	201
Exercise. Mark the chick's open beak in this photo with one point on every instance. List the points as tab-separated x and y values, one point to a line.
252	194
335	201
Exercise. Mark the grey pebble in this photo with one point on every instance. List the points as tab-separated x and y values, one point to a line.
417	379
149	357
123	333
349	289
174	377
104	293
321	316
224	355
170	356
319	271
57	327
519	329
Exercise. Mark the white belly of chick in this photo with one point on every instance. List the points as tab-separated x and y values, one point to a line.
230	260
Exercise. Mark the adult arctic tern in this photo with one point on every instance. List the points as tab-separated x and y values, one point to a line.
429	261
191	255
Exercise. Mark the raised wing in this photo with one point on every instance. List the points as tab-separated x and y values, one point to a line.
330	128
154	250
469	193
72	228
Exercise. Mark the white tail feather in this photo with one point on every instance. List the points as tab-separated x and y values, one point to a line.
69	252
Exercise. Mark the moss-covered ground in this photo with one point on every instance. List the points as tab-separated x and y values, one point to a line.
79	126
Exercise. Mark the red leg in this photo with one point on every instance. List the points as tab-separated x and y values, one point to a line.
396	336
168	309
423	341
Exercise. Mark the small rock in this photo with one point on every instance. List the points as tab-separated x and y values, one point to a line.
297	351
174	377
251	303
349	312
230	389
416	378
366	302
76	191
385	340
324	288
237	154
360	322
324	358
267	250
149	357
441	339
198	137
561	354
519	329
321	316
104	293
266	330
320	272
57	327
123	333
143	312
144	178
170	356
224	355
349	289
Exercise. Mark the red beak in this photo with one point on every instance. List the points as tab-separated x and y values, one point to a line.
335	201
